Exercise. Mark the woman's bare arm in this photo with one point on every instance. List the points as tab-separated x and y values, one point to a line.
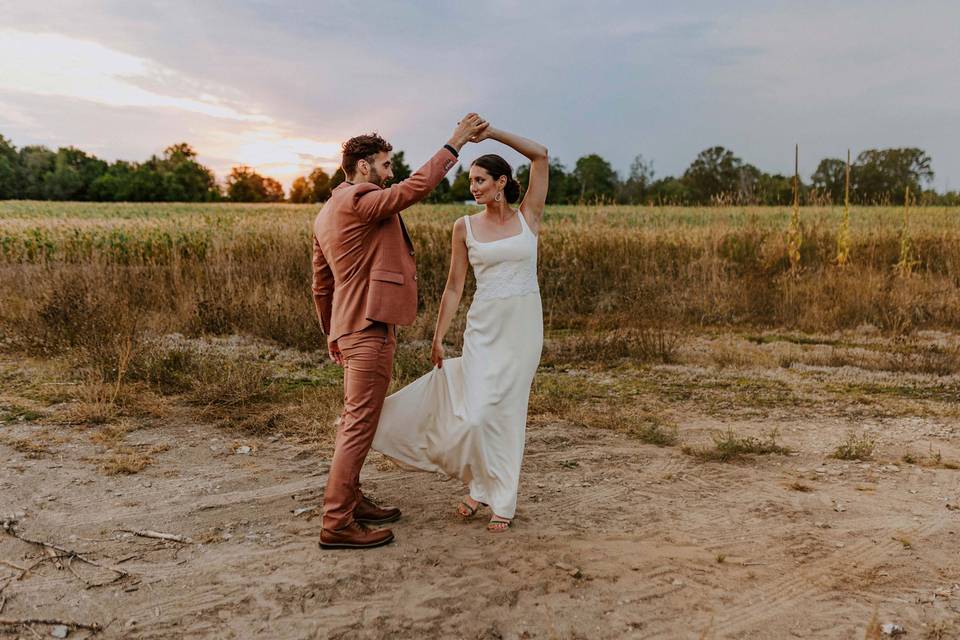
536	196
453	290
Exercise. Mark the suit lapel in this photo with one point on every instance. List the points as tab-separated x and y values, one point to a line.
406	236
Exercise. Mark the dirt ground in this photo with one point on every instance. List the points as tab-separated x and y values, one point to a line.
614	538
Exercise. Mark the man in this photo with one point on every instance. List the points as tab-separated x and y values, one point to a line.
364	284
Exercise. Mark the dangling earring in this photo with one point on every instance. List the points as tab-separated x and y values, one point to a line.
499	196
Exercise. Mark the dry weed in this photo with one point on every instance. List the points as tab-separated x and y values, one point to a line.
855	447
728	446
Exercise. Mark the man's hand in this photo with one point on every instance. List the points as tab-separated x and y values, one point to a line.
470	126
335	354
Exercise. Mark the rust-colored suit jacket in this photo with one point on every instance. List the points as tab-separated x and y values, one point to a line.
363	264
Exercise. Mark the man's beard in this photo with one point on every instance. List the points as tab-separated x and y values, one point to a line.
375	177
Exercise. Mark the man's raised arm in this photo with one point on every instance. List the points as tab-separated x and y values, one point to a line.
373	204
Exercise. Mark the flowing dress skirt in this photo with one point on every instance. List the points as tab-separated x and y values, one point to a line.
468	419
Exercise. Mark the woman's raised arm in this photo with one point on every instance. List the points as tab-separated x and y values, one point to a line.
536	196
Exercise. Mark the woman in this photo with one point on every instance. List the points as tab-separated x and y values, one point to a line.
467	417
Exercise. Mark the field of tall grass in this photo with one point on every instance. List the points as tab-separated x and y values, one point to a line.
223	269
120	299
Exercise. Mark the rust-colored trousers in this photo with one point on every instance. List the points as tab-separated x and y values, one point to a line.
367	366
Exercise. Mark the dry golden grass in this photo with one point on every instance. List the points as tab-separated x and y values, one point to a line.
90	277
93	286
855	447
30	447
124	461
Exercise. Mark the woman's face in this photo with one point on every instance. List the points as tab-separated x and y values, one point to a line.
482	185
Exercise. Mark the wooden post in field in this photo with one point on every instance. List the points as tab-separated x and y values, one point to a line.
905	264
843	238
795	234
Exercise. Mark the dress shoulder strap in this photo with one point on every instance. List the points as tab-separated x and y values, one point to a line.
523	222
466	221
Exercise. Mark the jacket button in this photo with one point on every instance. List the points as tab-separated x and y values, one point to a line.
411	253
414	276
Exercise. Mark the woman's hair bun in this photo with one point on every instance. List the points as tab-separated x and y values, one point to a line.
512	191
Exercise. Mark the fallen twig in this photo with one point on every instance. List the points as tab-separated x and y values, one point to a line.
47	558
12	565
159	536
53	556
78	576
8	526
52	622
134	556
3	603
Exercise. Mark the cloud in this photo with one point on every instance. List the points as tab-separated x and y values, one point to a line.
614	77
58	65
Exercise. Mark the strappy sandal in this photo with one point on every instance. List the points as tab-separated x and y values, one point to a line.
498	525
465	511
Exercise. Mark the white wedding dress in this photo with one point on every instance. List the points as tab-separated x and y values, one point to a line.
468	419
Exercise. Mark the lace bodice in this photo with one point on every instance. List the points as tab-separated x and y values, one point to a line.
504	268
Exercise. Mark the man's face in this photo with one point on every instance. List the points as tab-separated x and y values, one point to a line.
377	169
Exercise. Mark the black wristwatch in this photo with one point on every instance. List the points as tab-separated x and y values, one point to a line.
452	150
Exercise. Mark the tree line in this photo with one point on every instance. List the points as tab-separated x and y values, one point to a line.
716	176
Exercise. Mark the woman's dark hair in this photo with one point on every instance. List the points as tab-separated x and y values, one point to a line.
496	167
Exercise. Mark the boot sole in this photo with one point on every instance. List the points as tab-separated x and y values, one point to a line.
350	545
384	521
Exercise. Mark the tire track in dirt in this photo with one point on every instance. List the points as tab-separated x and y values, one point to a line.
800	584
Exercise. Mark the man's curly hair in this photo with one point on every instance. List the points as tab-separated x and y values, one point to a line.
362	148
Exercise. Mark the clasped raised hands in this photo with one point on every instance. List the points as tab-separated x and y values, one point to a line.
471	128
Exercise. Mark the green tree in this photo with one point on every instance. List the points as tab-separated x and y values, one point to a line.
337	178
882	175
185	179
313	188
460	189
9	170
562	188
830	178
74	171
634	189
401	170
774	189
596	179
272	190
115	184
246	185
35	163
441	193
300	191
715	173
669	191
145	183
320	185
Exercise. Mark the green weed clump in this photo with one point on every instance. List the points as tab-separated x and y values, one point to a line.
728	446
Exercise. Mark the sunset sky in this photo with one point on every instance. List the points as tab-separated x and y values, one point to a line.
279	85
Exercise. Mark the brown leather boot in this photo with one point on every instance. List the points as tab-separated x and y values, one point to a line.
369	513
354	536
